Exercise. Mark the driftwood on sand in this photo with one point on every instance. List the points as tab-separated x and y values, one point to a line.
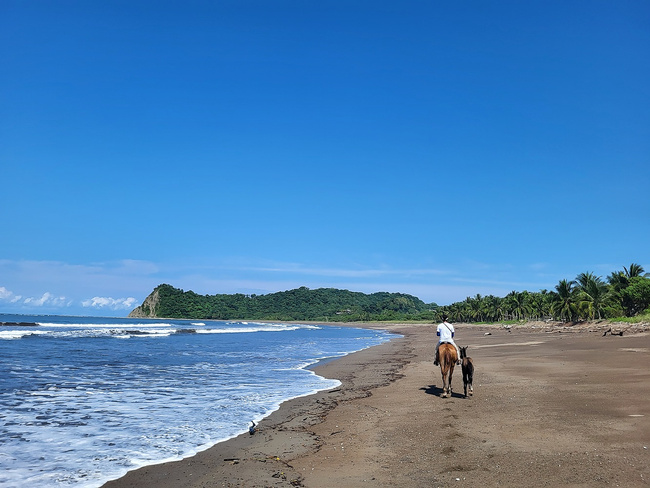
617	333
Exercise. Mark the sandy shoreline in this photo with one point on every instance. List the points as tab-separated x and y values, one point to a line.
552	407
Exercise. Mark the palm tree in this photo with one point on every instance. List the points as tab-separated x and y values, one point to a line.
565	306
621	279
634	271
475	308
618	280
518	303
583	278
491	308
540	304
594	295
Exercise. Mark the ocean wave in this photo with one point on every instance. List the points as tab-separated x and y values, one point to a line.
102	326
88	333
19	334
145	332
246	330
274	324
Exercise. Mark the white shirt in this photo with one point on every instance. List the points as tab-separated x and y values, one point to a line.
446	332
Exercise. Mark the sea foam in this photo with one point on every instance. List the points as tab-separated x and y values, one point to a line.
81	408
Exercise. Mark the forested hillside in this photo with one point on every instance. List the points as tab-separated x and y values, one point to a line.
323	304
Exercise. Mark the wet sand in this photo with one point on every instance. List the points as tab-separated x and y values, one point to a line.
552	406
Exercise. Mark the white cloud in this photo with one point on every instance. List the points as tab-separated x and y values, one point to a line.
47	299
8	295
69	285
111	303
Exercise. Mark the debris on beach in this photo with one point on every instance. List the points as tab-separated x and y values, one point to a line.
618	333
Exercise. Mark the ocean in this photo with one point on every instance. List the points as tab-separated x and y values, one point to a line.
83	400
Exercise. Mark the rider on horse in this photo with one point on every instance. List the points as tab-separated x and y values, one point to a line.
445	333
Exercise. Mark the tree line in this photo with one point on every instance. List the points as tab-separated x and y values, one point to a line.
587	297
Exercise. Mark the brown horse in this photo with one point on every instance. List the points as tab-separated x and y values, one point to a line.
447	357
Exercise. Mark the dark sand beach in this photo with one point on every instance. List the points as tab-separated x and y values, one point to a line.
552	406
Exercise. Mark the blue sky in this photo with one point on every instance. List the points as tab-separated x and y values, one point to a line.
441	149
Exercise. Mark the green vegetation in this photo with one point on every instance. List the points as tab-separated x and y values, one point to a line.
588	297
644	317
626	293
323	304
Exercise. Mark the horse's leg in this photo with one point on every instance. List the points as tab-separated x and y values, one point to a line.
444	380
451	373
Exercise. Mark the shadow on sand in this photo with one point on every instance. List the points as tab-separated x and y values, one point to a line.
437	391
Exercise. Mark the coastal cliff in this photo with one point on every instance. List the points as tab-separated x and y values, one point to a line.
149	306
